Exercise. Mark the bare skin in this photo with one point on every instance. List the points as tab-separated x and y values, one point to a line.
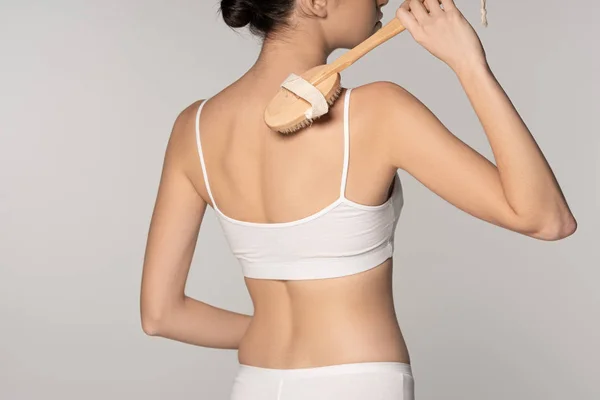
259	176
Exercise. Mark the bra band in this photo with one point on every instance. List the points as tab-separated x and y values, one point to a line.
302	88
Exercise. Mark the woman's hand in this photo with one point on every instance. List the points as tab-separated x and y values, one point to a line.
444	32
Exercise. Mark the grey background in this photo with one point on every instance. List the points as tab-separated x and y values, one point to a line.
89	92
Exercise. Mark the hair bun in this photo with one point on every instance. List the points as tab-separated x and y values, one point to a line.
237	13
263	16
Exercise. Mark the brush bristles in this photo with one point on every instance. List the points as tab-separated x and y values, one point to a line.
307	122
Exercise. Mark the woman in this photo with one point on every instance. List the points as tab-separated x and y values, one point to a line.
311	216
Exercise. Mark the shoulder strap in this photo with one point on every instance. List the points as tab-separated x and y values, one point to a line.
202	164
346	143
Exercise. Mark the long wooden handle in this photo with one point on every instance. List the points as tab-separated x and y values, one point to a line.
387	32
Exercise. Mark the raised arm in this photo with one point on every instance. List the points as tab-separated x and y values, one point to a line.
165	309
520	192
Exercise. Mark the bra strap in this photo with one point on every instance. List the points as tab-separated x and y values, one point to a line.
202	164
346	143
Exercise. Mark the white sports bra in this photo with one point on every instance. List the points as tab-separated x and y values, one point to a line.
341	239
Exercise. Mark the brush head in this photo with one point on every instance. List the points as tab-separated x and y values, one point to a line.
286	111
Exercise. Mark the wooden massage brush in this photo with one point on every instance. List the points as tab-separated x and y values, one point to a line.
302	99
288	112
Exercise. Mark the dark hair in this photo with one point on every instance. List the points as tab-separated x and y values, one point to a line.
262	16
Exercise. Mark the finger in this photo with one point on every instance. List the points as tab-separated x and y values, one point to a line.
407	19
419	11
433	6
448	4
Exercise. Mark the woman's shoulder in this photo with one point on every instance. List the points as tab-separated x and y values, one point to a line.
382	93
181	145
384	106
187	116
184	125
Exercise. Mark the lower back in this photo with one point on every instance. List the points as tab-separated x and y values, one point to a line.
301	324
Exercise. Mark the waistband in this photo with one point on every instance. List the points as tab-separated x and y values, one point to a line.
363	367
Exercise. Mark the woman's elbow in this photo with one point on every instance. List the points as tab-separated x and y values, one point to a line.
556	228
150	326
152	319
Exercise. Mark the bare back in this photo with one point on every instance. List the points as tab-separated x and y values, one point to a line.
256	175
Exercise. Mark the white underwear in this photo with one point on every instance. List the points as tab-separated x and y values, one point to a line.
359	381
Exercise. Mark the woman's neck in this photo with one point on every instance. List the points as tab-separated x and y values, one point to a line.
279	58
